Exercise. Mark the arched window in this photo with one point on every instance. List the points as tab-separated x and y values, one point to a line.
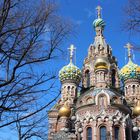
87	78
68	89
116	133
103	133
89	133
113	77
133	88
72	91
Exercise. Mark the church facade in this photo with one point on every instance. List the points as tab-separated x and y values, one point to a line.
107	106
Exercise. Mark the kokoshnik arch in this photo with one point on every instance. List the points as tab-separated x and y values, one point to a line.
103	110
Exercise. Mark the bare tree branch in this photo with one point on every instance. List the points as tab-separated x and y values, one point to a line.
31	35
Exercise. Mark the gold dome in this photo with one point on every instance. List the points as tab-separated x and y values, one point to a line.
64	111
101	63
101	67
136	110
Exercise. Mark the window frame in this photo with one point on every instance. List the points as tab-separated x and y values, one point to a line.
87	136
115	132
105	137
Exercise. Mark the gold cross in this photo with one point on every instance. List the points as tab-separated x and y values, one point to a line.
129	47
98	8
72	48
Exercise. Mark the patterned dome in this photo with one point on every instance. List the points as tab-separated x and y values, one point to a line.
130	71
99	22
70	72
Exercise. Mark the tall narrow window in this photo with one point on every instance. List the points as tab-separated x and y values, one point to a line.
68	90
116	133
87	77
133	88
103	133
89	133
113	77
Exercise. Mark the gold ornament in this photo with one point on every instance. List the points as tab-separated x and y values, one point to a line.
136	110
101	63
64	111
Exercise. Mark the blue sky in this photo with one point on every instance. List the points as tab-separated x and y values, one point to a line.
83	13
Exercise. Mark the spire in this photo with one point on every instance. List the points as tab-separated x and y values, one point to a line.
98	8
129	47
71	49
99	25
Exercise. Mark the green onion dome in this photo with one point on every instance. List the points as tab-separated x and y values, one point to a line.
130	71
99	22
70	72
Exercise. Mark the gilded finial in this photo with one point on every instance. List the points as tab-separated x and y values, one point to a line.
136	110
129	47
98	8
71	49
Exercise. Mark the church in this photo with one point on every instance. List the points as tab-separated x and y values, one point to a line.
107	106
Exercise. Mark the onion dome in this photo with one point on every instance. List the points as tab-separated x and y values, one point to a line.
99	22
130	70
64	111
101	63
136	110
70	72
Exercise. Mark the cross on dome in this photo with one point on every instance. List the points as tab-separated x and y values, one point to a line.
99	8
129	47
71	49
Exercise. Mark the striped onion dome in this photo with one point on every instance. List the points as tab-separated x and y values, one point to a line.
99	22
